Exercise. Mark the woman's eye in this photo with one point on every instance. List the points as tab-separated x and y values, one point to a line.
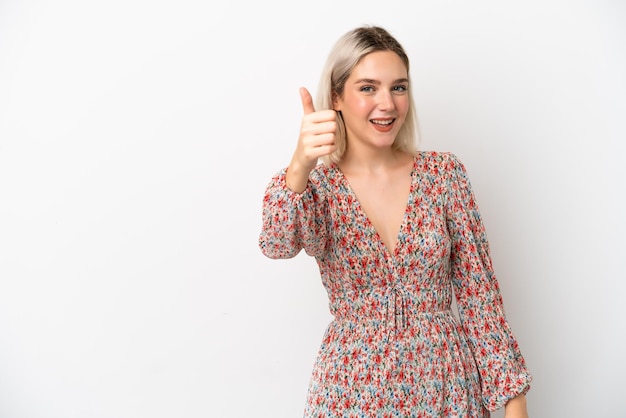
367	89
400	88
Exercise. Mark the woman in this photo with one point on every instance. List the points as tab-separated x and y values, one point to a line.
393	231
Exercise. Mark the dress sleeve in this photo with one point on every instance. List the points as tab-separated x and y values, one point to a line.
293	221
500	363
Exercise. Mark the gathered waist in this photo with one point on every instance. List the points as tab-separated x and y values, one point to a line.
391	308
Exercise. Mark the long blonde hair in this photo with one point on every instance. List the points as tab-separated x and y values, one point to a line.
344	56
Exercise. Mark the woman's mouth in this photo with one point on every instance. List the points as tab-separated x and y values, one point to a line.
382	125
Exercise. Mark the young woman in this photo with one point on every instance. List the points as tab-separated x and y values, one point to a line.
395	233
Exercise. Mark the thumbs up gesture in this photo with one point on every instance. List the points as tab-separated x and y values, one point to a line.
317	139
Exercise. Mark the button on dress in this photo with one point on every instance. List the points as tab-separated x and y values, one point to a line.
394	347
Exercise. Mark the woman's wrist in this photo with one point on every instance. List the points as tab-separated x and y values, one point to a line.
297	177
516	407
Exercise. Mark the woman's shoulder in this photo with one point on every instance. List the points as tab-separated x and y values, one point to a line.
437	161
325	176
324	171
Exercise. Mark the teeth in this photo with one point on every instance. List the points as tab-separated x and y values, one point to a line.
382	122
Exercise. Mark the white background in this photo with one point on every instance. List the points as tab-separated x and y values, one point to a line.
136	140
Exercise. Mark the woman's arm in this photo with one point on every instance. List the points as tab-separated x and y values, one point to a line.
502	368
294	211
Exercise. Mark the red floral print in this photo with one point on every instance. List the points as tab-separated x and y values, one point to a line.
394	347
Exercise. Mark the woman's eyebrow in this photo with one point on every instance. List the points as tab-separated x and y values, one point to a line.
376	82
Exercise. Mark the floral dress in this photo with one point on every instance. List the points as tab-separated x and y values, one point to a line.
394	347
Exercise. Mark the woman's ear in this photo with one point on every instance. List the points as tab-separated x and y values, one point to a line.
336	102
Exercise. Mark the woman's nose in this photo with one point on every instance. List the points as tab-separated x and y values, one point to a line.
385	100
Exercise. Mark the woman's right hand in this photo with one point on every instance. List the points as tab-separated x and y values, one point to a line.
317	139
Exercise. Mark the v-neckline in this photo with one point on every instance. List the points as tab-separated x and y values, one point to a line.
390	252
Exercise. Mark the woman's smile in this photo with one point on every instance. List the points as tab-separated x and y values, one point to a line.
383	125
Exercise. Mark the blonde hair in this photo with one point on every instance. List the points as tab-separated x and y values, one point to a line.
344	56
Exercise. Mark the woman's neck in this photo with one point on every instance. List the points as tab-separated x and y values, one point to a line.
374	161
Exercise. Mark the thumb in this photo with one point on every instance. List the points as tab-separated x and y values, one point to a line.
307	101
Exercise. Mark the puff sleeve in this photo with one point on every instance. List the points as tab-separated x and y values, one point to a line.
500	363
293	221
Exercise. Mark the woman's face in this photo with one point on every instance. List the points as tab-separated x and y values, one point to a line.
375	99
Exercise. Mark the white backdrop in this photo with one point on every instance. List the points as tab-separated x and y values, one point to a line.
136	140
